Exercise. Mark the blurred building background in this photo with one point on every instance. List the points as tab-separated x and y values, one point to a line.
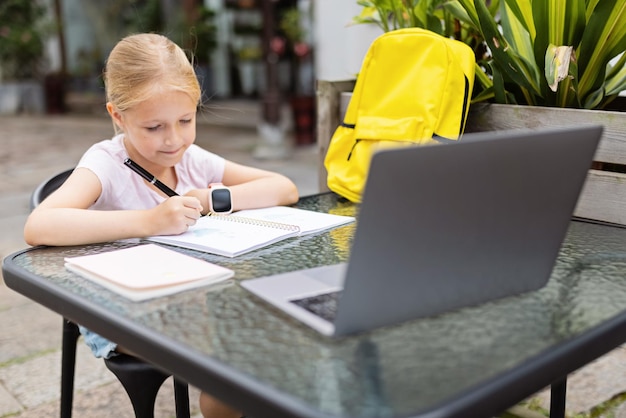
52	51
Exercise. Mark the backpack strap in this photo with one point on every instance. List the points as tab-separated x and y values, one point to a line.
443	140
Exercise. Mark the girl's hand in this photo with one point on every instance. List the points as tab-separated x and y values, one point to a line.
203	196
175	215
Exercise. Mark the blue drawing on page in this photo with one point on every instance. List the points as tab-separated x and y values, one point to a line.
212	233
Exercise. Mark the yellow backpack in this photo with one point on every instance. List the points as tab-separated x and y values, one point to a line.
414	87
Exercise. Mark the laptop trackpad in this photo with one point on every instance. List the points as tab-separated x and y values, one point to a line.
299	283
332	275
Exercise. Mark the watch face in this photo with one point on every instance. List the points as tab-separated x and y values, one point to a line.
221	200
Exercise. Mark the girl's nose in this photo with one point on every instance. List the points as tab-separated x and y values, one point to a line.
172	136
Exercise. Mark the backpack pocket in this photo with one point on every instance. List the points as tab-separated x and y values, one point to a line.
348	158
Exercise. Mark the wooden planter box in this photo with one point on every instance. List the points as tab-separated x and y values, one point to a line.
604	195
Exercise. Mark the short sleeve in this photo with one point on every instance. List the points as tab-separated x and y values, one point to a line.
198	169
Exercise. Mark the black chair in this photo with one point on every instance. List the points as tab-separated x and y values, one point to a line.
141	380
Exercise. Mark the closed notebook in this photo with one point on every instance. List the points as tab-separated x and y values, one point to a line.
247	230
146	271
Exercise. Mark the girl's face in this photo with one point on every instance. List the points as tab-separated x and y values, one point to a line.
158	131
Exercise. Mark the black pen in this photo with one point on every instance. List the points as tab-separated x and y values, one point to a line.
149	177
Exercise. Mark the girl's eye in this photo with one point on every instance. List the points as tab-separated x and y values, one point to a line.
185	121
153	128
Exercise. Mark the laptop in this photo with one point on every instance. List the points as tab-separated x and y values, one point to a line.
444	227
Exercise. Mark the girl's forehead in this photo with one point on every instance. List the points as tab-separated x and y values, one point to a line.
164	103
162	89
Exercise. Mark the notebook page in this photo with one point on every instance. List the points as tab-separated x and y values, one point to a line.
229	235
306	220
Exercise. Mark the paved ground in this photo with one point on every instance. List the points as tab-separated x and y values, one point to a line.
35	147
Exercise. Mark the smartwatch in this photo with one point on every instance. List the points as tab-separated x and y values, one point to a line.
220	199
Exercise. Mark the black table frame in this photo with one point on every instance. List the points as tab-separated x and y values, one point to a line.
550	368
491	397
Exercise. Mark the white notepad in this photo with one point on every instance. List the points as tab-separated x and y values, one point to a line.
146	271
247	230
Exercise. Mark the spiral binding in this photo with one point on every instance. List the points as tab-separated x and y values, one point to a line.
257	222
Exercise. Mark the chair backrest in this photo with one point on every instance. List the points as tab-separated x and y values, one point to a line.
45	188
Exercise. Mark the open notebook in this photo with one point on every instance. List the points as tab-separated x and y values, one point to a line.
146	271
443	227
248	230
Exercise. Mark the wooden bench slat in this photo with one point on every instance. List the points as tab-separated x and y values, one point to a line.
603	197
494	117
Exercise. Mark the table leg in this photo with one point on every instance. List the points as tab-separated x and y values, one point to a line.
557	398
68	366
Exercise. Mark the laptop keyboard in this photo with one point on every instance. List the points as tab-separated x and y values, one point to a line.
324	306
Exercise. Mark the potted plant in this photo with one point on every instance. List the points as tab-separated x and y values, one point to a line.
553	53
21	55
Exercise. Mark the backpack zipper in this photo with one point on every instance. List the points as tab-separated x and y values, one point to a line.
352	149
465	108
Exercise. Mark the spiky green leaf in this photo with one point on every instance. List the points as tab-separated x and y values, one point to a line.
523	12
519	39
603	39
504	57
616	77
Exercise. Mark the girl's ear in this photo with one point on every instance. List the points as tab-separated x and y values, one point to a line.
115	115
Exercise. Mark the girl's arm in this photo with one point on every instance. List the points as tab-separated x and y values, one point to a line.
64	218
256	188
252	188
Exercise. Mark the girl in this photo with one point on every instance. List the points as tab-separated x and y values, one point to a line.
152	97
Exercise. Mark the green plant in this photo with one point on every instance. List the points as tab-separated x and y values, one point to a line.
439	16
290	25
563	53
21	38
551	52
398	14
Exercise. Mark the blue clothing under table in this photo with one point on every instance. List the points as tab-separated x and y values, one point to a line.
473	362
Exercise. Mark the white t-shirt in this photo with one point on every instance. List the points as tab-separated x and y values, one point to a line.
123	189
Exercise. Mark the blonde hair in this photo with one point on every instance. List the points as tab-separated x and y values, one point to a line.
141	63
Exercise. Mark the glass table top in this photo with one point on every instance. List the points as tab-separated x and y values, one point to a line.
393	371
